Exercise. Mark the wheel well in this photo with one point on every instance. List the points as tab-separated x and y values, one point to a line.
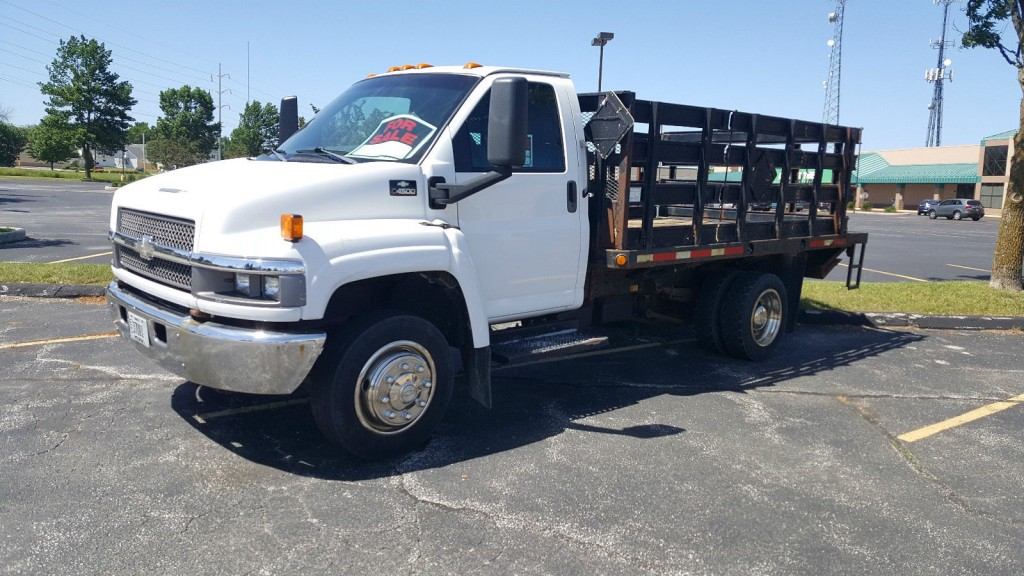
434	296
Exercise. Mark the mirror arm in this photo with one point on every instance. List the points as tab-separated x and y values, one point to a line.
442	193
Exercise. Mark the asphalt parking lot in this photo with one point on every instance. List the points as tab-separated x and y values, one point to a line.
64	220
647	458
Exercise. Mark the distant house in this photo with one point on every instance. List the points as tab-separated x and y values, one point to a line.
132	156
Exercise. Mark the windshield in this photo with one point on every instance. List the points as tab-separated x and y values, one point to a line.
390	118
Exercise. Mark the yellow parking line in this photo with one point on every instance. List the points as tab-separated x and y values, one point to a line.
202	418
968	268
889	274
80	258
28	343
971	416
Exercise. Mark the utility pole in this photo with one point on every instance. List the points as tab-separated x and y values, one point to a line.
835	65
937	76
220	125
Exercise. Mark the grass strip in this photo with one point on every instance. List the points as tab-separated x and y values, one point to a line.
114	177
39	273
944	298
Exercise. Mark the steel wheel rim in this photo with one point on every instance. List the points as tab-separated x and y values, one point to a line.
395	387
766	317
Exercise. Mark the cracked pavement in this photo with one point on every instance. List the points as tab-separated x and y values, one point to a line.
660	460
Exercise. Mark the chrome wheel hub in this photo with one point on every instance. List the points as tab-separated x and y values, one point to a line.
395	387
766	318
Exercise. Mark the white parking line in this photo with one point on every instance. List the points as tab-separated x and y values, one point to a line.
968	268
889	274
80	258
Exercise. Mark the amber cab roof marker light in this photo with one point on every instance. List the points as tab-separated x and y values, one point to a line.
423	65
291	227
470	65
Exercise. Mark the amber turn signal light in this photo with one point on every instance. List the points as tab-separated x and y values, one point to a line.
291	227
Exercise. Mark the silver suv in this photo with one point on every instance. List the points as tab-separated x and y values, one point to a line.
958	209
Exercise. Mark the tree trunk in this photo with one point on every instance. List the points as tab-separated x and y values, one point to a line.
1008	257
87	160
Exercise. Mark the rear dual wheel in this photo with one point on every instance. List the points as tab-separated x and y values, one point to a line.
742	314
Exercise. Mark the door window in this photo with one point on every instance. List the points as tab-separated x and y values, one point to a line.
544	150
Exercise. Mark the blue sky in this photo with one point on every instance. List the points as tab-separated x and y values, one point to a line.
766	57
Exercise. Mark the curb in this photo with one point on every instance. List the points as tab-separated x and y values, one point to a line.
52	290
901	320
16	235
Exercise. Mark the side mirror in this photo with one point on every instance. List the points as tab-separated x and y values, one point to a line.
507	123
289	120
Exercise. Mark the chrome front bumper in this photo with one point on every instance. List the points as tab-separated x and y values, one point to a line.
219	356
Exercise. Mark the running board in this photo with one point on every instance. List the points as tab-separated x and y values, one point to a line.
560	343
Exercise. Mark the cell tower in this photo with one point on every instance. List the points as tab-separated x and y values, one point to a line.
938	76
835	64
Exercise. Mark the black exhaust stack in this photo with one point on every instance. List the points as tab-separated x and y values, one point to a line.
289	121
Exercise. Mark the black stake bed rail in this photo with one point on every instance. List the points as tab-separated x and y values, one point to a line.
691	183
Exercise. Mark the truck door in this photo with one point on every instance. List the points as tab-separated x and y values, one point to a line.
524	233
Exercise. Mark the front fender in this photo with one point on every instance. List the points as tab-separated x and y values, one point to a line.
339	253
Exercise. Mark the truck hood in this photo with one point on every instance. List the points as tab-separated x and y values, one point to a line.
238	196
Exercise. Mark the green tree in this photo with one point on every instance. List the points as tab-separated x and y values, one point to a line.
134	135
987	28
88	98
186	133
12	142
51	141
256	132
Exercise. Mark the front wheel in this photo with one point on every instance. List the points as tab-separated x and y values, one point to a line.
754	315
382	385
932	214
957	215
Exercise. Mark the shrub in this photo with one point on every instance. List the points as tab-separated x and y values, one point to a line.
867	206
890	209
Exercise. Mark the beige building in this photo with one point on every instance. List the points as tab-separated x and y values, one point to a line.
905	177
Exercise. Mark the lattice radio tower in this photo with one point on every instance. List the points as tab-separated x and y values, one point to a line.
835	64
937	76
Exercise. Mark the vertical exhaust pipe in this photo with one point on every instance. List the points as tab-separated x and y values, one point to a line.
289	118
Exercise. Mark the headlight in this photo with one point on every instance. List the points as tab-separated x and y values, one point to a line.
271	287
262	287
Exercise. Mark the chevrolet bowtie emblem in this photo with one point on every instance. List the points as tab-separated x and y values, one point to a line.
146	248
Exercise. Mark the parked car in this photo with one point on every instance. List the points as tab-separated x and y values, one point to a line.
926	205
958	209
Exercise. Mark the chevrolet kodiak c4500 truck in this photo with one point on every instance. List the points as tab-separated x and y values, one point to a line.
435	220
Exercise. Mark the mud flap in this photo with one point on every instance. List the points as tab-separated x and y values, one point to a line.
477	365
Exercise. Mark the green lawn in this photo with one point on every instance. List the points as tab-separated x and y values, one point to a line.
112	176
69	273
952	298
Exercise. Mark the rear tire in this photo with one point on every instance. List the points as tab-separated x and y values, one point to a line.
957	215
975	218
754	315
932	215
382	384
707	311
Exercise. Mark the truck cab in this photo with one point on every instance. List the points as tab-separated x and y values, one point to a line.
372	254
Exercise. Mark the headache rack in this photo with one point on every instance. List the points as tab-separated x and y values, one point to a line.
690	182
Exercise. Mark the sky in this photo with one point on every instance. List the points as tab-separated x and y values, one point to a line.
750	55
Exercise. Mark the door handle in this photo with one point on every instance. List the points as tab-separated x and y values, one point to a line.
571	196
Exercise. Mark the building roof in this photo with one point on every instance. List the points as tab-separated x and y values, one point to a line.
921	174
1000	136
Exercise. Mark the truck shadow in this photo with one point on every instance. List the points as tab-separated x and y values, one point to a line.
531	403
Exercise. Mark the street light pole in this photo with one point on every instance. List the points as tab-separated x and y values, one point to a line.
600	40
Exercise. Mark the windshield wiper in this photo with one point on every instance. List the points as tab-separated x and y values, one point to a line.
279	155
328	153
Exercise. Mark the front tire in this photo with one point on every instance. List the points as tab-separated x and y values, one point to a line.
754	315
382	385
957	215
932	215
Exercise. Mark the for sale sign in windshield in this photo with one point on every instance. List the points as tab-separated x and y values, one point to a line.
396	138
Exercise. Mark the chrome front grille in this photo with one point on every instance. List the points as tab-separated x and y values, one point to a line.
161	231
163	271
164	230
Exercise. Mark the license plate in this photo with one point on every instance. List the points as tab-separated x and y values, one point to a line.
138	329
